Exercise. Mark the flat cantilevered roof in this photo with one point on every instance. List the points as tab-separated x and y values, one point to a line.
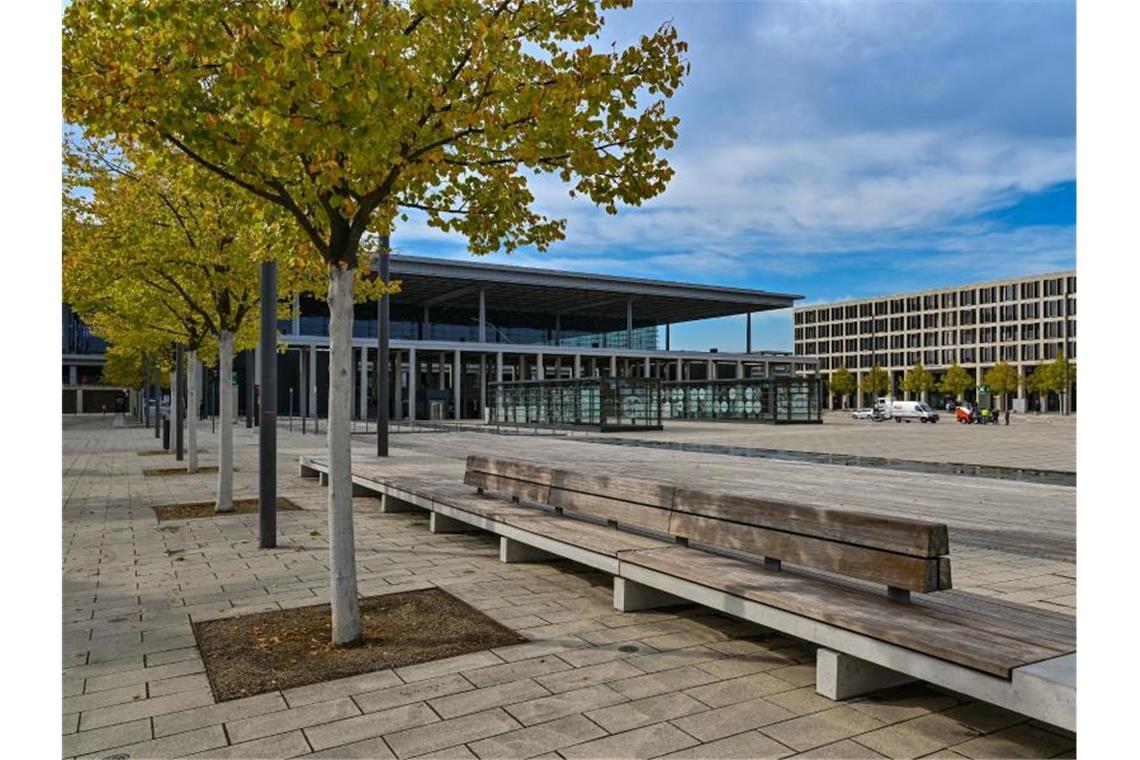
430	282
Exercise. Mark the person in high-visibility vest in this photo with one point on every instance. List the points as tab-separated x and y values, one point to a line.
985	414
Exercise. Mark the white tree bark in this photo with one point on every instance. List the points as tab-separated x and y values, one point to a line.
192	410
342	548
225	501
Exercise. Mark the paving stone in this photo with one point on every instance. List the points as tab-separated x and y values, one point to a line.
417	741
916	737
752	744
588	676
367	749
70	723
1023	740
732	719
427	670
216	714
340	687
738	689
984	718
369	725
143	708
418	691
817	729
651	663
649	741
118	696
514	671
802	701
483	699
642	712
178	745
661	682
581	658
536	740
287	745
539	648
567	703
142	675
167	686
450	753
841	750
796	675
281	721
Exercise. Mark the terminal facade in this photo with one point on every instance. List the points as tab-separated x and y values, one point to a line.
1024	321
459	326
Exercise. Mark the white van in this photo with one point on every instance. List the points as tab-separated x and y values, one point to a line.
912	410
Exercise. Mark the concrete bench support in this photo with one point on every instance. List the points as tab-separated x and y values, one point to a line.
322	478
390	505
444	524
630	596
359	490
513	551
839	676
305	471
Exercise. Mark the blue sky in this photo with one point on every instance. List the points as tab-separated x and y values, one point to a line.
839	150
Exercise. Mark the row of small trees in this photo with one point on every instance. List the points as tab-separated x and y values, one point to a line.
324	125
1002	379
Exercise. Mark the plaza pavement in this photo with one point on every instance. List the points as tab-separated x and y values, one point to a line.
590	683
1044	442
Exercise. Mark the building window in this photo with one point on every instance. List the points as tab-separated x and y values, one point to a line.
1072	284
1030	290
1009	313
864	310
948	357
987	354
968	317
1008	333
1031	332
950	319
987	335
1029	311
987	295
987	314
1009	292
1030	352
949	337
967	355
1053	287
968	336
967	297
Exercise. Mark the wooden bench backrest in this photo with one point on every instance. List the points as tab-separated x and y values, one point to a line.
898	552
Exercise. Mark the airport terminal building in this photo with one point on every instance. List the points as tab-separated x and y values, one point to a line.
1024	321
460	326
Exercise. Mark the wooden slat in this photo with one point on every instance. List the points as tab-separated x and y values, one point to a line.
899	570
596	538
523	489
896	534
624	512
910	626
648	492
511	468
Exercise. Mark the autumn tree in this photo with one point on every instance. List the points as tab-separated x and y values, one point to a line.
876	382
918	380
349	114
842	382
956	381
1002	379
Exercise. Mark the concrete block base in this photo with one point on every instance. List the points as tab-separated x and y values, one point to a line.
839	676
444	524
359	490
513	551
630	596
391	505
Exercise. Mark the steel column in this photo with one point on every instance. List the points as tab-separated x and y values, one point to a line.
267	450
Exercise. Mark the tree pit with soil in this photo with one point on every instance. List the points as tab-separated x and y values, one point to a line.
268	651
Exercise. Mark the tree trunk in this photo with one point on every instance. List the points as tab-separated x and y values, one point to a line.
225	502
192	410
342	548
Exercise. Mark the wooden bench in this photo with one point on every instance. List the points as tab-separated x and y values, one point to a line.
819	574
873	592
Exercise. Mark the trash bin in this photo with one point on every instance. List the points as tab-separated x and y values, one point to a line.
166	433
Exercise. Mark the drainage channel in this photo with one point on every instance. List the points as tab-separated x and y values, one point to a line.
1047	477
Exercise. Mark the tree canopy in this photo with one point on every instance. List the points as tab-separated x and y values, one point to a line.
1002	378
347	115
918	379
842	382
876	382
956	381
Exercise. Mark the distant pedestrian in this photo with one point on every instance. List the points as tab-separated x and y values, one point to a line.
985	415
1007	417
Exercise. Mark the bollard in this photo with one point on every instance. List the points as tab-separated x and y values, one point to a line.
166	433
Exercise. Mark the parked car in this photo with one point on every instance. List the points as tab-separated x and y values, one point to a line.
905	411
867	414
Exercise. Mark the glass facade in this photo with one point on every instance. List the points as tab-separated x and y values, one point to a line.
779	400
602	403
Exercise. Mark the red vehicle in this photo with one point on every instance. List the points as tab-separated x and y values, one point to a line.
965	415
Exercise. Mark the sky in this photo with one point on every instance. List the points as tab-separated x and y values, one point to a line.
840	150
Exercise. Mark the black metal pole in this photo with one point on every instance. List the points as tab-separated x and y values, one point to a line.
179	406
157	400
382	361
267	451
249	378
